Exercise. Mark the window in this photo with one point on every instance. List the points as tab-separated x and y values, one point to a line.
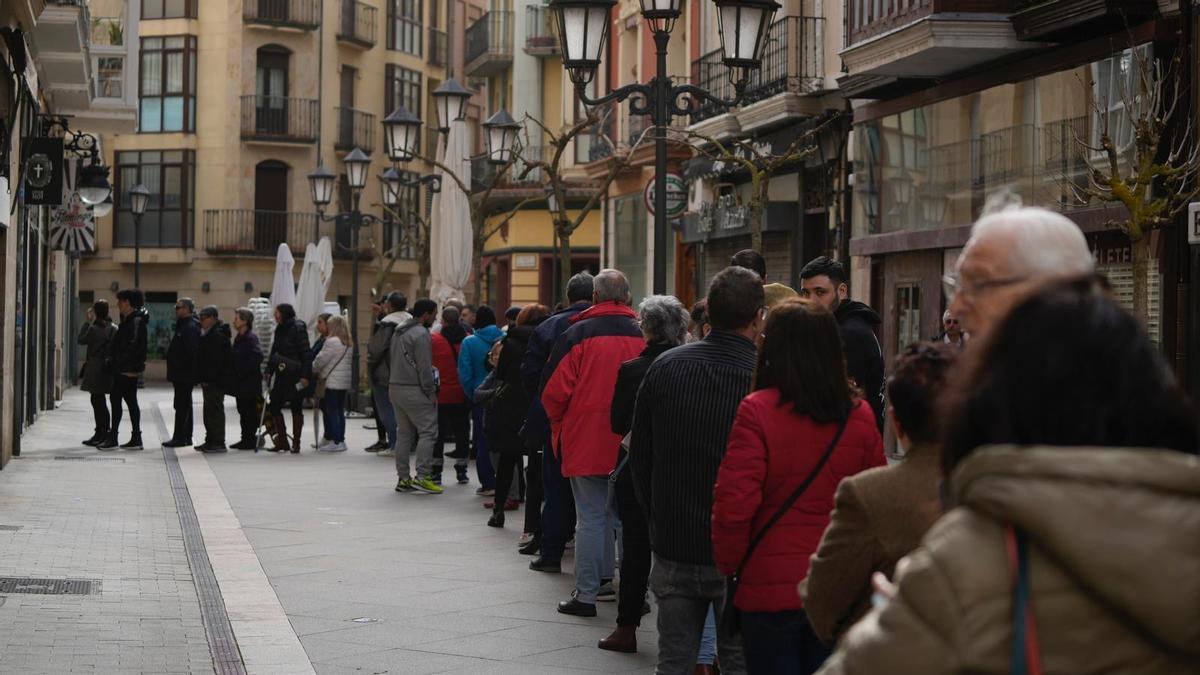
167	95
110	77
630	231
403	89
170	177
908	316
402	232
1116	88
404	26
168	9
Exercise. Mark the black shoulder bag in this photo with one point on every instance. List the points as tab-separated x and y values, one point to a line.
731	616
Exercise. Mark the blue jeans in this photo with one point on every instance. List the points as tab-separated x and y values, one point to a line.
781	643
595	536
686	593
708	641
387	416
483	461
334	408
558	510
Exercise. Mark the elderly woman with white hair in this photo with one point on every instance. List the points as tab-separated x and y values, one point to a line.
664	321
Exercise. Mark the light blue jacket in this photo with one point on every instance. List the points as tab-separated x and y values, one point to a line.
472	358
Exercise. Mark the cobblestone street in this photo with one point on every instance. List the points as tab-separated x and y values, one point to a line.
318	562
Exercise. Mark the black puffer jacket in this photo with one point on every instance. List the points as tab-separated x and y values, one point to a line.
98	337
505	413
128	353
247	365
290	349
214	358
864	358
181	353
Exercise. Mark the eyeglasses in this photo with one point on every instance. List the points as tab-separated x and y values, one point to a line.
952	285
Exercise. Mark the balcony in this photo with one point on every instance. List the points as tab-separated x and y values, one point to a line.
357	27
356	129
279	119
891	40
711	74
482	173
793	68
540	37
439	48
61	45
247	232
288	14
108	31
1048	19
490	44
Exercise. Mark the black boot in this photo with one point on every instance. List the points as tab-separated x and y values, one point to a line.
135	442
497	519
297	428
109	442
96	439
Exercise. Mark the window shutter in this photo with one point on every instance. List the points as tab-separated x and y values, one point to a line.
389	89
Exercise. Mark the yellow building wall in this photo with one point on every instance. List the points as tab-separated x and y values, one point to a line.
531	229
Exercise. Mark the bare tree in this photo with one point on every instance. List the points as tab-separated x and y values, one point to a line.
760	162
556	184
415	237
1153	173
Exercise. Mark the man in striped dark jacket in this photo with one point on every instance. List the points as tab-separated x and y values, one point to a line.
578	397
684	412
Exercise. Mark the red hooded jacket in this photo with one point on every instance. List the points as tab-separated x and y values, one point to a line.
580	380
771	450
445	359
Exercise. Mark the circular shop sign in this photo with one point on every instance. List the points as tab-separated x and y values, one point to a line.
676	196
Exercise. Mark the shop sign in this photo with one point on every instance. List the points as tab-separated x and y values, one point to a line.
676	196
43	171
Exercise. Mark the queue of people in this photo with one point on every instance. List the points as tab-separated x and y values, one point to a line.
1030	518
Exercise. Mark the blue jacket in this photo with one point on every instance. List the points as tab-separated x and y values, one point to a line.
472	358
537	426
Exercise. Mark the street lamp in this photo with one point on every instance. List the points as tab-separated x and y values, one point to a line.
583	27
401	131
501	136
321	182
139	198
93	187
451	100
103	208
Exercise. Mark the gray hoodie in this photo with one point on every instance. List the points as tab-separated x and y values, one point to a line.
412	357
378	348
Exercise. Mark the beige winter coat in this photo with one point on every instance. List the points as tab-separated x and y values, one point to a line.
1114	569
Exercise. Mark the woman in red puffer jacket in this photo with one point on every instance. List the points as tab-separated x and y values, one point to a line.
781	432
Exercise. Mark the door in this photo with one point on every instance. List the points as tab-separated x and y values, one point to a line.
272	90
346	107
270	206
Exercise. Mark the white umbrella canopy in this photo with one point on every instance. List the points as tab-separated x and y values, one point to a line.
315	275
283	291
450	235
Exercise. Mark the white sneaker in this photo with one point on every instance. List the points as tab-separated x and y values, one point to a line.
385	453
338	447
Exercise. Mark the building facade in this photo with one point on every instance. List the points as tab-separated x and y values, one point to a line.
237	102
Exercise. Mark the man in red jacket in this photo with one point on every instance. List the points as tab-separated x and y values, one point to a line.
578	397
454	415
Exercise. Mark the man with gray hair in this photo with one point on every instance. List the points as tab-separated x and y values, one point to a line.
580	378
1011	251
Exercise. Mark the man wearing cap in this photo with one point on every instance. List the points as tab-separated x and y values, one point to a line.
214	361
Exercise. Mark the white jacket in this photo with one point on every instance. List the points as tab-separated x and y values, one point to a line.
333	364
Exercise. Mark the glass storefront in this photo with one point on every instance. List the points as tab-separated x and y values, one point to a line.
936	165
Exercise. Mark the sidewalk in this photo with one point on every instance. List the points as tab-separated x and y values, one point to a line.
368	580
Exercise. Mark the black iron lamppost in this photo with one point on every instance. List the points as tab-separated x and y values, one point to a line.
322	182
139	198
583	27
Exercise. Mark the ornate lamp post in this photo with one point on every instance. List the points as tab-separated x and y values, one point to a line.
583	27
139	198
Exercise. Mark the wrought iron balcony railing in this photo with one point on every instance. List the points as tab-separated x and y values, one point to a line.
302	14
489	43
249	232
279	118
356	129
358	23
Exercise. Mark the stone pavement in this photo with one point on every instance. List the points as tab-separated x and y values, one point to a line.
370	581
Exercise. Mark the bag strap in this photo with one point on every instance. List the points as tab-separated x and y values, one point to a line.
787	505
1026	655
345	348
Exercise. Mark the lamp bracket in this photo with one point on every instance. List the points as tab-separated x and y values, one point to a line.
682	99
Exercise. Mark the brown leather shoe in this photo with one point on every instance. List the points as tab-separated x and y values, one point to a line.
623	639
704	669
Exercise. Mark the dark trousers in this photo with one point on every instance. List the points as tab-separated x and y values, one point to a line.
558	511
278	404
247	407
685	592
483	462
635	552
533	495
214	414
454	420
379	430
183	411
100	413
334	408
510	465
125	389
781	643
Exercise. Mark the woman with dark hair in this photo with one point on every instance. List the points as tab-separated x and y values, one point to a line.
800	426
505	411
881	514
291	360
97	334
247	377
1071	465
